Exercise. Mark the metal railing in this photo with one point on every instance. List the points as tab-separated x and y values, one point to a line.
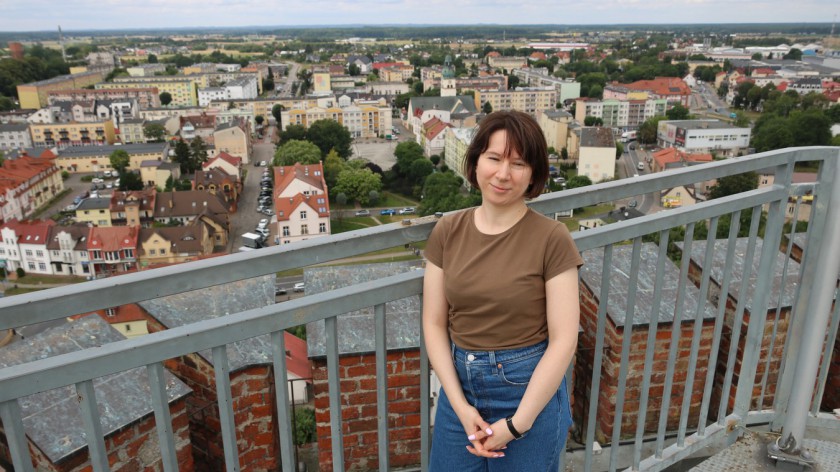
726	405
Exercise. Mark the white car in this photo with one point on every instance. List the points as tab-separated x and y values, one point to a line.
97	181
299	287
107	173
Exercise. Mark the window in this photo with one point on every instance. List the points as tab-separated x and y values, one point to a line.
42	266
152	252
128	327
162	252
97	255
39	253
129	253
31	266
303	214
110	312
29	252
304	229
285	231
112	256
55	253
322	228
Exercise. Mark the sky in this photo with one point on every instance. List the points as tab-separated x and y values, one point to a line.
39	15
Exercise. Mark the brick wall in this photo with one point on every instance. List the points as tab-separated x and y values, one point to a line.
831	397
358	410
254	410
133	448
609	381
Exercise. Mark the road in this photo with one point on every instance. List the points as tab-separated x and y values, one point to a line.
246	217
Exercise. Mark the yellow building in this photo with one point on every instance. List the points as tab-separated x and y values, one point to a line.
173	245
234	138
97	158
526	99
34	95
72	134
200	68
95	211
321	82
184	90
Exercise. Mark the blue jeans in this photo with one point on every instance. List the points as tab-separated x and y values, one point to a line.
494	383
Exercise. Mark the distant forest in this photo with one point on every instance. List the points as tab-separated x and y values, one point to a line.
496	32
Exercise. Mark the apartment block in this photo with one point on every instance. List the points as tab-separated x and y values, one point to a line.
97	158
34	95
184	91
525	99
624	114
65	135
15	136
567	89
26	184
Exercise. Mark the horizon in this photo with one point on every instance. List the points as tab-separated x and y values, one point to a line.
161	15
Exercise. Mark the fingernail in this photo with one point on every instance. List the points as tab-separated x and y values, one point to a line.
500	455
488	431
471	437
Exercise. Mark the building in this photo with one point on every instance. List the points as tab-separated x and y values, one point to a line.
527	99
34	95
54	428
251	373
506	63
357	356
362	119
132	131
218	182
173	245
648	322
433	136
24	245
14	136
184	90
623	114
459	110
456	142
239	89
704	136
26	184
94	211
156	173
234	138
301	203
146	70
133	207
555	127
596	156
112	250
65	135
673	158
195	206
98	158
231	165
567	89
129	319
67	246
672	89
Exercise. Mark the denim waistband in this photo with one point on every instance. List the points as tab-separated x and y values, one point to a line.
503	355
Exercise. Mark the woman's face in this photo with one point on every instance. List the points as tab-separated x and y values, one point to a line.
503	179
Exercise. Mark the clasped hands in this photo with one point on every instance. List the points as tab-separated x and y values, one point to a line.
488	440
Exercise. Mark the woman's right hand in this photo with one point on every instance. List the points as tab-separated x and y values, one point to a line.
477	431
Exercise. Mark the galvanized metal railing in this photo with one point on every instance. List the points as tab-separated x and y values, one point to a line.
81	368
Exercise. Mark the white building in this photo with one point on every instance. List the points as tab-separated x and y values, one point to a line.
67	246
596	159
237	89
567	89
302	207
15	136
704	136
24	245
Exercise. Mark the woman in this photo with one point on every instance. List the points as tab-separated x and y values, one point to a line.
500	311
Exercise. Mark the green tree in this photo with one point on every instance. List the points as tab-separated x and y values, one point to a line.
648	130
119	160
6	104
152	59
619	149
734	184
357	184
198	153
593	121
294	151
810	128
329	134
333	165
268	84
578	181
794	54
154	132
772	132
443	191
677	112
259	120
165	98
304	426
277	113
182	156
419	170
373	198
293	132
487	108
130	181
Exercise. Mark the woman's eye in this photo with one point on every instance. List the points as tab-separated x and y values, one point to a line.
519	164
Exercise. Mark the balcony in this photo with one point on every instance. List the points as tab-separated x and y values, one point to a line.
693	335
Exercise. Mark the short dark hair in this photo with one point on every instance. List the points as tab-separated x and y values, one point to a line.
523	136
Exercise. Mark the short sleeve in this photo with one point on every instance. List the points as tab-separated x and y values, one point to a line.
561	253
434	245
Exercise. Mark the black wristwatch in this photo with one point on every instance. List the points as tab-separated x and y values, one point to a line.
516	434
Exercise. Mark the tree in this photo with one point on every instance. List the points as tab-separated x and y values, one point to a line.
593	121
333	165
677	112
794	54
259	120
487	108
293	132
165	98
619	149
268	84
578	181
354	70
357	184
182	156
119	160
130	181
198	153
154	132
648	130
373	198
329	134
419	170
734	184
294	151
152	59
435	159
810	128
443	191
6	104
341	199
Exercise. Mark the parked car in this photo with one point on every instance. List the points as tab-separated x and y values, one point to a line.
263	163
407	211
363	213
388	212
641	166
107	173
299	287
559	180
263	223
280	290
633	204
97	181
267	211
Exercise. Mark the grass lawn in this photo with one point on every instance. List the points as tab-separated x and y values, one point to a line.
35	279
588	212
350	224
10	292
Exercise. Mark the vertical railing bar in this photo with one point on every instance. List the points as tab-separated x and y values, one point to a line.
281	397
93	426
629	312
653	327
568	378
826	357
16	436
699	320
381	384
598	356
713	355
425	396
760	301
676	329
226	418
336	434
807	281
735	336
779	299
163	419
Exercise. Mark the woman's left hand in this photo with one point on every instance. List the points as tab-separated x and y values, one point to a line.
495	444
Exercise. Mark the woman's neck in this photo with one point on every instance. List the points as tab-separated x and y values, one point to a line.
494	220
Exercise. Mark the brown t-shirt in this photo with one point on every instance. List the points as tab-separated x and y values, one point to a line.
495	284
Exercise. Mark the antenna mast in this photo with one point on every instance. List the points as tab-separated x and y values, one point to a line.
61	42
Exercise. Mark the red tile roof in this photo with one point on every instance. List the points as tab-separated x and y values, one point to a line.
31	231
233	160
661	86
113	238
312	174
434	127
672	155
297	361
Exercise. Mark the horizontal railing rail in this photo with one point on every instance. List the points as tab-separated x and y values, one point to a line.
80	368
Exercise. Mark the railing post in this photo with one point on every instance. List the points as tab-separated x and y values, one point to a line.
789	445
